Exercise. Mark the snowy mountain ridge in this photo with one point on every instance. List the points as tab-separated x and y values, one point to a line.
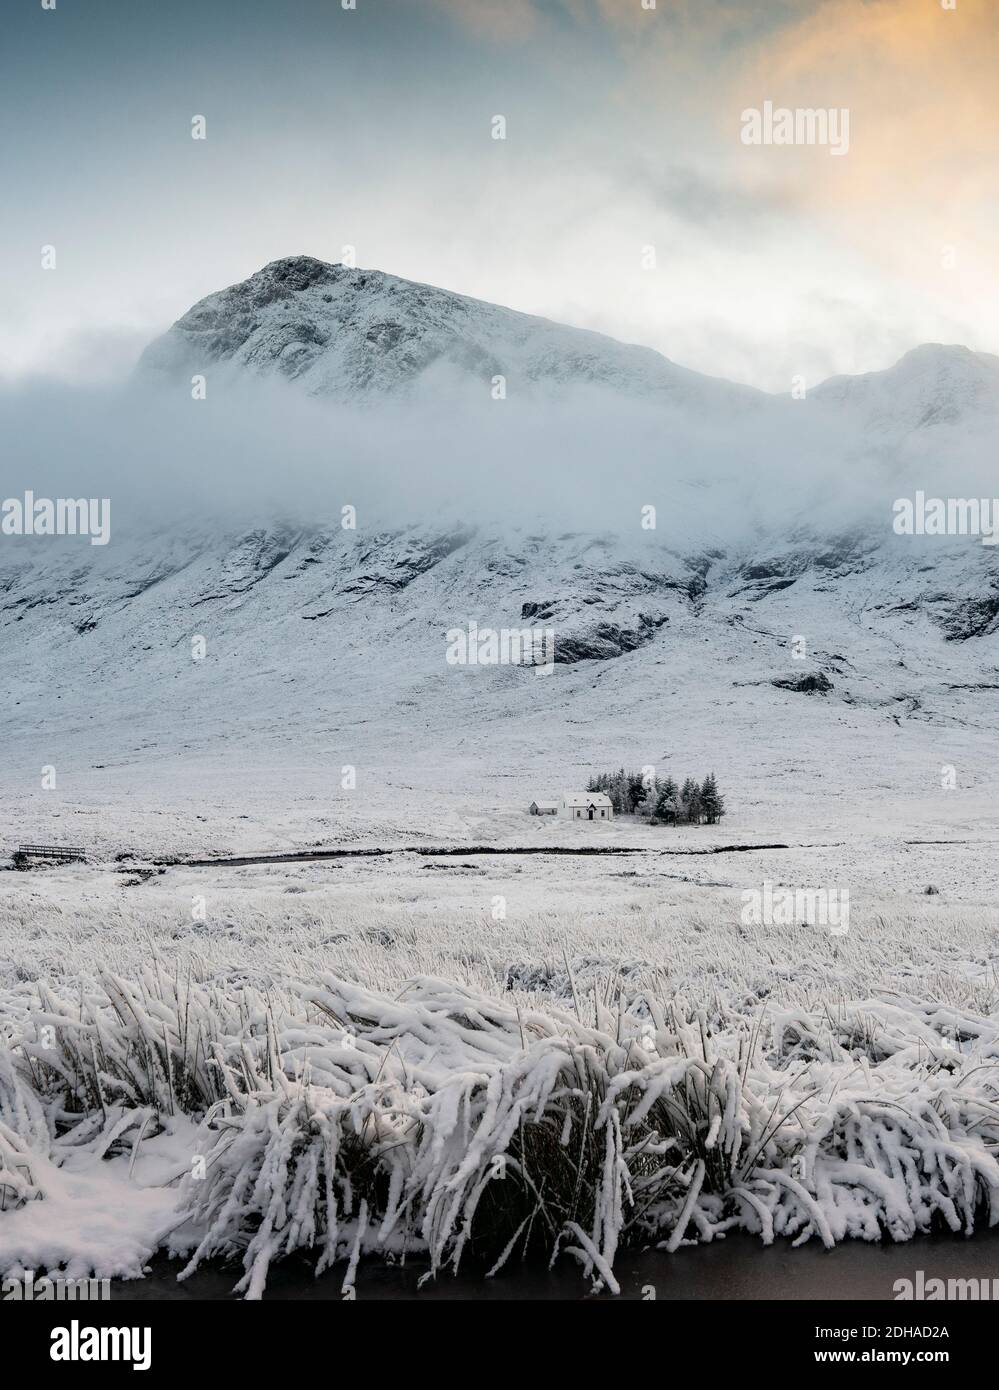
347	333
341	332
935	384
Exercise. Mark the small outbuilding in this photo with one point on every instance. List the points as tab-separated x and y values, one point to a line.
543	808
586	806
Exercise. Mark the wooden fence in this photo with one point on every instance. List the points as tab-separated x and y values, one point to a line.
64	852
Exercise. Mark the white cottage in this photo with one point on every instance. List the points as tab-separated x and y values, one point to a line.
586	806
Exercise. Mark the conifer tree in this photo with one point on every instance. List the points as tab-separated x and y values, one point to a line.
667	808
636	791
687	797
712	801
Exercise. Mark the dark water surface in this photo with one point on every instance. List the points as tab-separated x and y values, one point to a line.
738	1267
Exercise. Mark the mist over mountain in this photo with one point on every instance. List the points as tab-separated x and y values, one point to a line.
437	401
350	489
345	333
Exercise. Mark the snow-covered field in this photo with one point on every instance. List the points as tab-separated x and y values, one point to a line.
373	1062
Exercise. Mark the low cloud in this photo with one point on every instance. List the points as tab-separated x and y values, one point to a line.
263	453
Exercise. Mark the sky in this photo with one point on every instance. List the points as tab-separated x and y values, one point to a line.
622	199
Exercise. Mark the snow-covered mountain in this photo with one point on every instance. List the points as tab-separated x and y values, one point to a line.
809	648
347	333
817	659
933	385
354	334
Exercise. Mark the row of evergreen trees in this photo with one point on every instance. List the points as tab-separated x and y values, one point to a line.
660	798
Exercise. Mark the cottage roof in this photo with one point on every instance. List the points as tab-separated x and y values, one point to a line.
586	799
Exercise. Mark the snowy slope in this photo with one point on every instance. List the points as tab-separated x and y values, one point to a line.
326	649
933	385
342	332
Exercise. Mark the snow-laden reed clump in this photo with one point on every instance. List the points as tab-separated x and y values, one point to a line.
450	1123
23	1133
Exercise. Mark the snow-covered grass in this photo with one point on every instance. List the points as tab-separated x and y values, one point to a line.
382	925
379	1075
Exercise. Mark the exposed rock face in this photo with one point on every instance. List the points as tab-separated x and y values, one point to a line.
808	683
972	617
605	640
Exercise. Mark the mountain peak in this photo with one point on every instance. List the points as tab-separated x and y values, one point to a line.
932	384
933	352
946	357
297	272
928	358
344	332
351	334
